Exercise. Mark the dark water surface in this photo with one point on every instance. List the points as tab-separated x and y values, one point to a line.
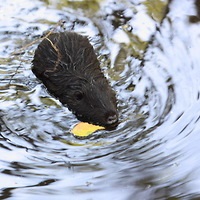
150	51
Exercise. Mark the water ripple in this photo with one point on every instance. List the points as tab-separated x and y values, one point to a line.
153	153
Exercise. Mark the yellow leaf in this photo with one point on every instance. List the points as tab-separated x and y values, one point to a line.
84	129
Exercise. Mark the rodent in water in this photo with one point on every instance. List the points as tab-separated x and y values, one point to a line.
68	66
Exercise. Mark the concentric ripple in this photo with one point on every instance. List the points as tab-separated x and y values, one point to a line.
153	153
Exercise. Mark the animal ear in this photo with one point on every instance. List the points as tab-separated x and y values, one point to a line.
47	74
50	72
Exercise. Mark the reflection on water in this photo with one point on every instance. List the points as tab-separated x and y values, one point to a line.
151	58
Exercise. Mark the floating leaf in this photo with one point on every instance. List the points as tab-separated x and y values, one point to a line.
84	129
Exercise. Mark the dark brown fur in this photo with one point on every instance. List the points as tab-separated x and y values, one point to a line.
67	65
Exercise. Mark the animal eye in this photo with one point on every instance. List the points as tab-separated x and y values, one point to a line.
78	95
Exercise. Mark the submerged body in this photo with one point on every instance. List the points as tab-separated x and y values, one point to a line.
67	65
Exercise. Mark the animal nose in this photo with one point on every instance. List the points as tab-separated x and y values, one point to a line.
112	119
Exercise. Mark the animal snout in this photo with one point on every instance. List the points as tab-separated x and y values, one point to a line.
112	119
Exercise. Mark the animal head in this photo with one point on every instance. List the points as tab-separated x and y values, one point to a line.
67	65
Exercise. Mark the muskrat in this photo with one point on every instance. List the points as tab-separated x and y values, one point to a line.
67	65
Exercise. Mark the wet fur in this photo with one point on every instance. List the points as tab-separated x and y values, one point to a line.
67	65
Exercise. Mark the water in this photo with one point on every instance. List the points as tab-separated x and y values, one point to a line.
151	59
